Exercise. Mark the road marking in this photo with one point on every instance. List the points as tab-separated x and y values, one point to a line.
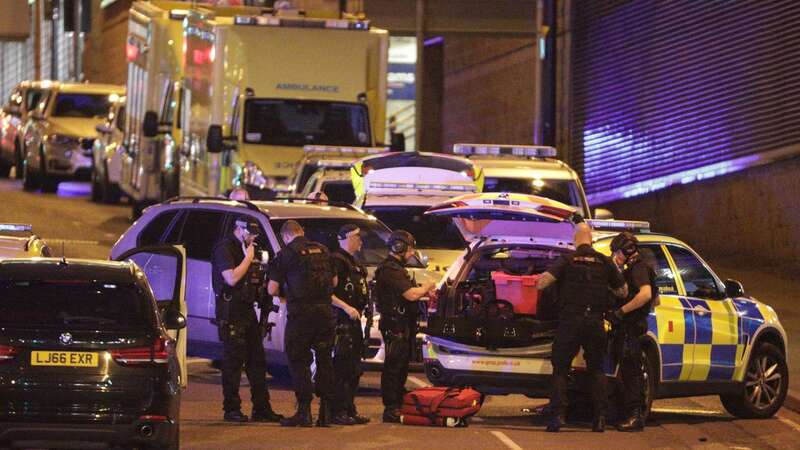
506	440
791	423
418	382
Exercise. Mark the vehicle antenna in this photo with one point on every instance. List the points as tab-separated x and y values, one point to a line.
63	255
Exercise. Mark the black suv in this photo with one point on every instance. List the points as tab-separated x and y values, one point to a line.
85	356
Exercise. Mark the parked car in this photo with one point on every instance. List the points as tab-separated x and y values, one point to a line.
18	241
85	354
107	151
58	136
705	337
24	99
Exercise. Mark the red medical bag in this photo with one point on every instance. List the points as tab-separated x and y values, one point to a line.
519	290
440	406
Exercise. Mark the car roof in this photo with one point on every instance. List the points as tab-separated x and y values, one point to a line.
524	167
274	209
603	239
91	88
72	269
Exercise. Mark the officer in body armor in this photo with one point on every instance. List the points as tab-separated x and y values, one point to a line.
584	278
302	275
350	297
396	297
232	259
632	317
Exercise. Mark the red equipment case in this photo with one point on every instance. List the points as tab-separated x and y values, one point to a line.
519	290
433	406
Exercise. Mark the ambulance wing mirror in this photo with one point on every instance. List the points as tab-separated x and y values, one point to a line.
150	124
733	289
214	141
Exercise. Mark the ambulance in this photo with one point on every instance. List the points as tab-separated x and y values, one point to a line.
326	169
398	188
154	134
261	87
532	170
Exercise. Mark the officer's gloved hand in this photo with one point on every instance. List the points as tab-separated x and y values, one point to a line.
353	313
615	317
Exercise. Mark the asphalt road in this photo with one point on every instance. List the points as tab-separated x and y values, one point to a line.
88	230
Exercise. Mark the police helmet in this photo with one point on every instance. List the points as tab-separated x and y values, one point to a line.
248	223
625	242
400	240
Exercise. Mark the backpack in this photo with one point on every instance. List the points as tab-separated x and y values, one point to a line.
313	278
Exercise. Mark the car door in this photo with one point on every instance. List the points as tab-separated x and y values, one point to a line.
165	269
716	345
673	319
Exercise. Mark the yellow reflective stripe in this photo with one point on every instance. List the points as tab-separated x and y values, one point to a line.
738	374
702	362
723	330
670	310
678	280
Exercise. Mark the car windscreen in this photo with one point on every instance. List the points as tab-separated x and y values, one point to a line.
563	191
431	232
77	304
373	235
297	123
81	105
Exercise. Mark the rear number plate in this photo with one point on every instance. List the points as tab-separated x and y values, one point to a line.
70	359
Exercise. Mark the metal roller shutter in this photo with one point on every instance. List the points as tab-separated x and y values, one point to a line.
673	92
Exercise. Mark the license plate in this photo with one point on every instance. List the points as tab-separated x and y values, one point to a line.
69	359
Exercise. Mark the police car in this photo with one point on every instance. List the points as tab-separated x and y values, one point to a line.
198	223
326	168
18	241
529	169
706	336
398	188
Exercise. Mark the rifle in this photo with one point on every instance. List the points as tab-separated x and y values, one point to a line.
369	312
264	325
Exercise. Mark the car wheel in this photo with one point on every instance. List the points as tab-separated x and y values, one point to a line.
30	180
5	168
110	192
650	369
19	161
765	385
49	184
97	190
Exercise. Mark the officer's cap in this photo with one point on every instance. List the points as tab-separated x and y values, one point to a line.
347	230
247	222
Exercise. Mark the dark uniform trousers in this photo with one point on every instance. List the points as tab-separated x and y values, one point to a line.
631	371
242	346
310	327
576	329
398	340
347	364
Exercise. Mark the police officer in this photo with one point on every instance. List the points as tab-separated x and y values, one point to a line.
396	295
632	316
303	275
237	324
583	278
350	297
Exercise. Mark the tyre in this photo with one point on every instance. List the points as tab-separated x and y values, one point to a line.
766	382
48	184
5	168
19	161
97	189
109	193
650	368
30	180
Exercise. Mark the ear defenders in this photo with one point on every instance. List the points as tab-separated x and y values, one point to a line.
400	241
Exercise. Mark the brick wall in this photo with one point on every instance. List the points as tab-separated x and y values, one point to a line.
489	90
104	55
752	217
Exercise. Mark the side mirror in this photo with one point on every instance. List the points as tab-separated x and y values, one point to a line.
174	320
214	142
103	128
733	289
150	124
603	214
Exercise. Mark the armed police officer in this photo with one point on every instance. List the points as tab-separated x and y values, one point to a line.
396	297
351	296
584	278
303	275
632	317
236	292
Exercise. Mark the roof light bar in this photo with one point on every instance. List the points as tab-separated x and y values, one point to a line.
272	21
618	225
526	151
178	14
15	227
335	150
423	186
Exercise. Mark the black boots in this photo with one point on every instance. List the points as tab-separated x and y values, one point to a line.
301	418
266	415
391	415
555	423
599	424
324	419
633	423
235	416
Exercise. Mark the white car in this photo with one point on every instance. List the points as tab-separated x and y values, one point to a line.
324	165
705	337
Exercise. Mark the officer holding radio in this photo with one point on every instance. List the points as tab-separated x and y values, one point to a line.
396	297
236	291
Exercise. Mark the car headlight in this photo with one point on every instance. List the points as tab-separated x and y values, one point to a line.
252	175
61	139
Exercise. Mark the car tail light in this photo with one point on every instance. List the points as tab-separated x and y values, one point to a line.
157	353
7	353
553	211
154	419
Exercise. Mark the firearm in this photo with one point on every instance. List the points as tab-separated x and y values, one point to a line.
369	311
266	306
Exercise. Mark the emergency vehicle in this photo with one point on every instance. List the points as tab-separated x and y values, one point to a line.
107	152
398	188
327	169
24	99
154	133
261	87
18	241
529	169
490	328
